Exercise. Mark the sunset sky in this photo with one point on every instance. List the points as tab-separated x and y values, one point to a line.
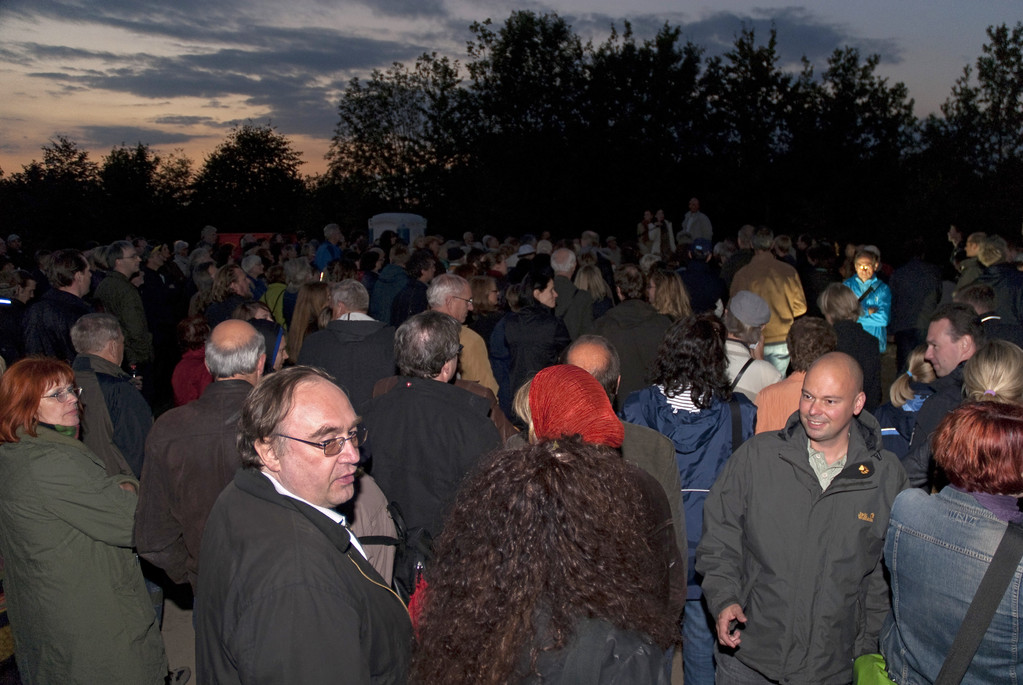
180	74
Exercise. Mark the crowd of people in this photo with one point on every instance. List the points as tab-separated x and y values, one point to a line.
540	458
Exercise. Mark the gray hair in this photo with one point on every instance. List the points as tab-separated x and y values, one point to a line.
266	408
115	251
250	261
444	286
563	260
225	362
424	343
92	332
208	232
331	229
180	245
352	294
297	271
763	239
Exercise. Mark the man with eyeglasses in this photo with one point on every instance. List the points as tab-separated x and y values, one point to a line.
119	297
286	594
425	433
452	295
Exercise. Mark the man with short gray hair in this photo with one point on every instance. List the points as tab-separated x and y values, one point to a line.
427	433
115	417
452	295
574	306
354	348
329	249
191	454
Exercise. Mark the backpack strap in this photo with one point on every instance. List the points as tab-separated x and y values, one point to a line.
738	376
733	406
982	609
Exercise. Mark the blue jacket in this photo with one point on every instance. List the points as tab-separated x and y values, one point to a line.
703	443
880	299
937	550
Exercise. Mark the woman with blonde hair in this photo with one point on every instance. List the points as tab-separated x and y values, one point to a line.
995	374
313	298
666	292
907	394
589	278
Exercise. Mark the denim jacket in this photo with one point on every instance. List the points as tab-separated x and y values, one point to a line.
937	550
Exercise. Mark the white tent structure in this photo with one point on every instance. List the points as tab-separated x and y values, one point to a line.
407	226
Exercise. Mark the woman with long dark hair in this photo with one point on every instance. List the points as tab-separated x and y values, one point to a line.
542	575
692	404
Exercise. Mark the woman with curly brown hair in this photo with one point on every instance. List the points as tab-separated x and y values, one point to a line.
692	404
540	574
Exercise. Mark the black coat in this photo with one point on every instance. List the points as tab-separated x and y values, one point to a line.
636	329
919	462
356	353
535	337
1007	282
862	347
424	437
286	598
48	324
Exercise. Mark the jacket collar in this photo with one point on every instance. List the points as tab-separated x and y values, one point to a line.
253	483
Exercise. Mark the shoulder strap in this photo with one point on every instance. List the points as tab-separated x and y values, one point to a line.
869	290
733	406
982	608
738	376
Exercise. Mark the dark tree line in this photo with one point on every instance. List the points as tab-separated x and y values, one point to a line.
538	130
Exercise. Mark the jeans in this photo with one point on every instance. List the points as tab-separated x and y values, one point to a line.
778	355
699	644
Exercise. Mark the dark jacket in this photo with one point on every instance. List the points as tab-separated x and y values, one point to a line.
704	286
219	312
391	281
898	423
918	462
862	347
424	437
119	297
356	353
574	307
1007	282
601	654
636	329
286	598
916	291
804	565
703	443
12	323
77	601
48	324
535	337
409	302
191	456
115	417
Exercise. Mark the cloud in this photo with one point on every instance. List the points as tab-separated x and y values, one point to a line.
185	120
111	136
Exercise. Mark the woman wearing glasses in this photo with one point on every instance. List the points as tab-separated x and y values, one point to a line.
79	609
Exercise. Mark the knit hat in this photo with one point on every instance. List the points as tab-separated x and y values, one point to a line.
749	308
565	400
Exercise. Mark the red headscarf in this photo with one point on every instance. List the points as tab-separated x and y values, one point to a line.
565	400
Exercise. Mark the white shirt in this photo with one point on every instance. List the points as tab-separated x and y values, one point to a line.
329	513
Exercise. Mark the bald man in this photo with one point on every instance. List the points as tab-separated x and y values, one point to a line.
642	446
191	454
793	534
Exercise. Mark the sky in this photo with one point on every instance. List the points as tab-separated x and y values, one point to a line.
180	74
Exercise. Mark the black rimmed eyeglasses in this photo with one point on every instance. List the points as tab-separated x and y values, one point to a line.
333	447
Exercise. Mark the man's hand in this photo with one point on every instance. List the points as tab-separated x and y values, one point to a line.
732	612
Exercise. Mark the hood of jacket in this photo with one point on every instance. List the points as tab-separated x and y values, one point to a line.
392	273
354	331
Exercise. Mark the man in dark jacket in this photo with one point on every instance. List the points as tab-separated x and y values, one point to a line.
635	328
426	434
354	348
421	268
115	417
191	454
953	336
286	594
916	291
793	535
48	322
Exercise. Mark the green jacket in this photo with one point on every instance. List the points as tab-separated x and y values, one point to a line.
78	605
120	298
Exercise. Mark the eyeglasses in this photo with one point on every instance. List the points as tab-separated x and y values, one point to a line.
64	394
865	267
462	299
333	447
